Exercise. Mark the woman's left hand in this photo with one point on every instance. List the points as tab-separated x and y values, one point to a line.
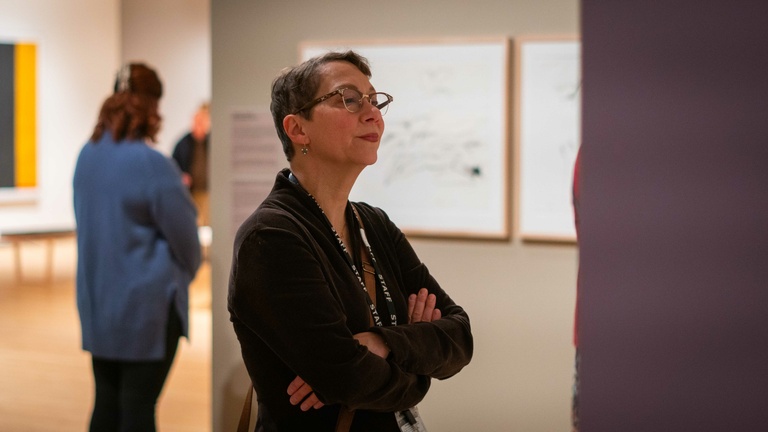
300	392
421	308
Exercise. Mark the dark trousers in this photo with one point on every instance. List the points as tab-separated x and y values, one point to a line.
127	391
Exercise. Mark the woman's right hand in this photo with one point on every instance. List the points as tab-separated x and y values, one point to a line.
421	307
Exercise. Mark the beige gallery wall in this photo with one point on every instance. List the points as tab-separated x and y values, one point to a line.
520	296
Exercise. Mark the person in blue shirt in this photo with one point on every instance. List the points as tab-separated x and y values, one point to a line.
138	251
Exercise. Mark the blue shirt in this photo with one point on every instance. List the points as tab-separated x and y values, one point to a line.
138	248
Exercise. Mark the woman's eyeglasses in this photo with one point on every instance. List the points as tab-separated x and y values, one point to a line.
353	100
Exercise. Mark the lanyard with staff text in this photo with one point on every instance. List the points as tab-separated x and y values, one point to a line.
350	262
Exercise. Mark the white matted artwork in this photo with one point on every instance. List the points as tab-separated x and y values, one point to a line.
547	135
442	166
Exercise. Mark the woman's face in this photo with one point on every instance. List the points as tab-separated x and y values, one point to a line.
337	135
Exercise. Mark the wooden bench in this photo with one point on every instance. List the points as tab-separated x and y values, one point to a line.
16	239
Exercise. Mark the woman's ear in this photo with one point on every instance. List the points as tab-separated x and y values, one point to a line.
294	129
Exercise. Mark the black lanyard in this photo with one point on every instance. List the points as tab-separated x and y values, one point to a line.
351	263
382	282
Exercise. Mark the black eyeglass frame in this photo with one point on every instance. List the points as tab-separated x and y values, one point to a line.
340	92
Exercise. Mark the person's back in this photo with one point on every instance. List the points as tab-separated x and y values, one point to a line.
130	209
138	251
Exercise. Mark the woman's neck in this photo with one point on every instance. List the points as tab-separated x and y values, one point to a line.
331	193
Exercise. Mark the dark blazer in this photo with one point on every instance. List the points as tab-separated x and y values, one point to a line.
184	150
295	304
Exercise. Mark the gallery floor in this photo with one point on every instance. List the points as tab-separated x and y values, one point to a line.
45	378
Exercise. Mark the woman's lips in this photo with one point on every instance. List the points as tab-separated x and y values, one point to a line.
370	137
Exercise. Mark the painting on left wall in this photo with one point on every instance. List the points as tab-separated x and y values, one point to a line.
18	124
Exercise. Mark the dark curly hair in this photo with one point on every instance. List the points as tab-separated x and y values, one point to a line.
132	111
295	86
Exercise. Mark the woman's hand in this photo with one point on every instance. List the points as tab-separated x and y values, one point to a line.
300	392
421	307
374	343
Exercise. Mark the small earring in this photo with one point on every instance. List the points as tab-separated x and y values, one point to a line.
304	149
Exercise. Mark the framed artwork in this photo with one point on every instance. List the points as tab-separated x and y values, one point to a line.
18	129
442	169
547	130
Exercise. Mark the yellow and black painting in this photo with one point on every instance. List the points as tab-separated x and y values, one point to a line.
18	141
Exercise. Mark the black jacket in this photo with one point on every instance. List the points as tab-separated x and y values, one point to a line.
295	304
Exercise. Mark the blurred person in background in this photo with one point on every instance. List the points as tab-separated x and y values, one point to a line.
191	154
138	251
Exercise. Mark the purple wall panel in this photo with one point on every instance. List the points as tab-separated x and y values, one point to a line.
673	296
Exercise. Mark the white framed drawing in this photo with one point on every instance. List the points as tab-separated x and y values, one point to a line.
443	167
547	135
